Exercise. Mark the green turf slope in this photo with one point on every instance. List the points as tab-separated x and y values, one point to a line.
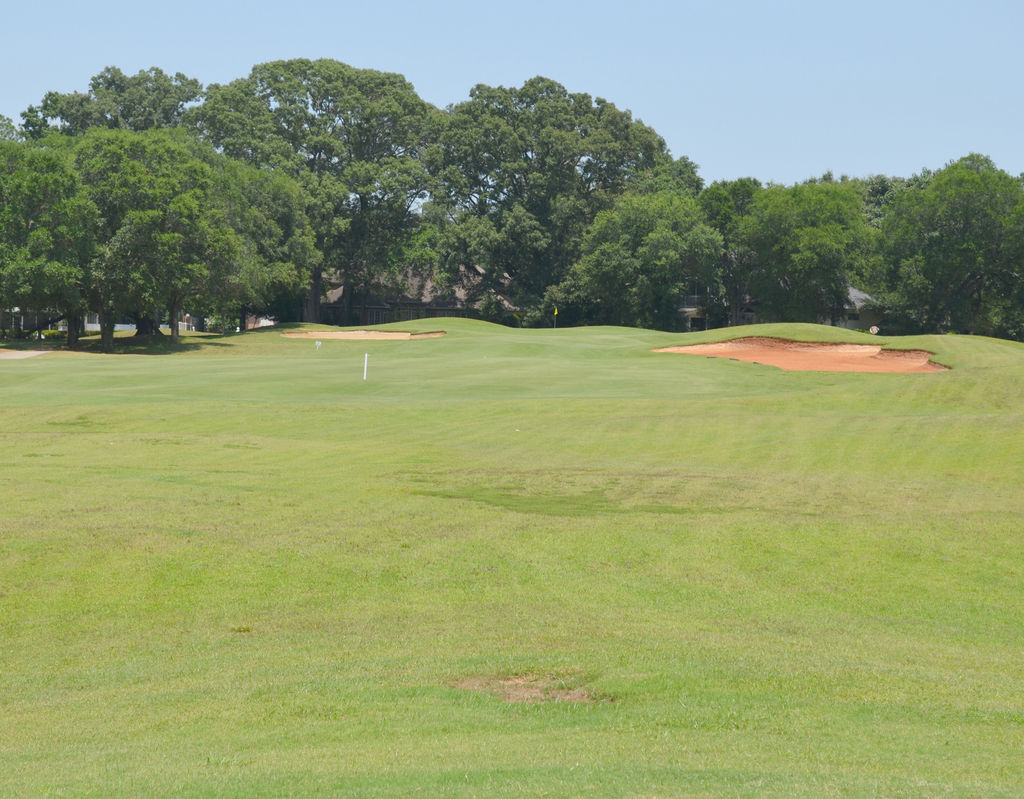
235	568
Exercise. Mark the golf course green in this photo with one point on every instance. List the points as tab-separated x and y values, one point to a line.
530	563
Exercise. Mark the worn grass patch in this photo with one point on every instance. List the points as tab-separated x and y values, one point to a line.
532	687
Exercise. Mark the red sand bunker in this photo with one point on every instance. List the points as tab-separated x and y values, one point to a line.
815	357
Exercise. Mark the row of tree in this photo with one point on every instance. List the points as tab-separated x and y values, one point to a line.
128	224
149	194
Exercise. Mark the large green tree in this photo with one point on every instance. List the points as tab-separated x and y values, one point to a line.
8	132
161	240
355	140
953	250
525	172
808	244
679	175
46	232
639	258
725	205
267	210
149	99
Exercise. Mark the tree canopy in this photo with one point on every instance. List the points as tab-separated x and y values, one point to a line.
953	248
523	173
161	238
144	101
639	258
148	195
47	225
725	205
355	139
808	244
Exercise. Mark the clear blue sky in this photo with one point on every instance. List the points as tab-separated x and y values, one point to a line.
780	91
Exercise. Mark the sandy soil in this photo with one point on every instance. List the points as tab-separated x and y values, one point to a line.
363	335
11	355
810	357
526	688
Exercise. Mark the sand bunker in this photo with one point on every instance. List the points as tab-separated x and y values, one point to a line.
363	335
813	357
10	355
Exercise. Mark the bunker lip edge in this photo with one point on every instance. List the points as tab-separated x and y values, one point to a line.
816	356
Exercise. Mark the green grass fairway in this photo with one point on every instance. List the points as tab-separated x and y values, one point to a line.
237	569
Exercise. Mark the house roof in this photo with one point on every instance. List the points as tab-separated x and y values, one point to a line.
858	299
421	291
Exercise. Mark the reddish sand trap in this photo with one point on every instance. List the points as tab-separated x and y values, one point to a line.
363	335
811	357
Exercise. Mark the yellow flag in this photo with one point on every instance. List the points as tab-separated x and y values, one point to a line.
556	310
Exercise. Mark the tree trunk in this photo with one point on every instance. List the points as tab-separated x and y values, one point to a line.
311	306
107	332
173	312
243	318
976	306
146	326
346	304
734	308
74	328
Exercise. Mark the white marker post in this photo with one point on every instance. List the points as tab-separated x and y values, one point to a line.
366	363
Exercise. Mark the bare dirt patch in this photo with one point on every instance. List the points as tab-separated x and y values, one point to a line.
528	688
10	355
815	357
364	335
